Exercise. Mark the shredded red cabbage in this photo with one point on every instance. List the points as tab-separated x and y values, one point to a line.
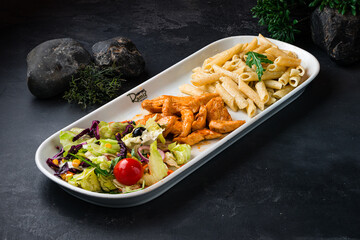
74	149
127	130
123	148
93	131
58	156
65	168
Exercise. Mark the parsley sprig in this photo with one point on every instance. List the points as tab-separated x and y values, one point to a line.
257	59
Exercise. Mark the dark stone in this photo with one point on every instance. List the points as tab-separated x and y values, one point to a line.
337	34
122	52
51	65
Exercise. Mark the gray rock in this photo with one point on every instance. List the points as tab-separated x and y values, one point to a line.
122	52
51	65
337	34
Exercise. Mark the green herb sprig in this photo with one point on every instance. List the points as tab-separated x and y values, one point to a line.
257	59
94	85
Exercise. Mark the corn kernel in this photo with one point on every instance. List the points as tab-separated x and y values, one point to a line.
63	176
108	145
55	161
75	163
68	175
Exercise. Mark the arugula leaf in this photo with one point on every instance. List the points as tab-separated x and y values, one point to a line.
256	59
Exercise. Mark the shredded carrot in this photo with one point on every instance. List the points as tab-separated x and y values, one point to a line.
145	166
111	122
169	171
147	155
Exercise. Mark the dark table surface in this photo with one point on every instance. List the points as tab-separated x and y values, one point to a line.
296	176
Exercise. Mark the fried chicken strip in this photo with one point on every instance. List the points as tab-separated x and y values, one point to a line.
200	119
216	110
198	136
221	126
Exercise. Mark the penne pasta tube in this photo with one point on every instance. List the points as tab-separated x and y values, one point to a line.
275	68
301	70
252	76
287	61
273	84
205	78
262	92
270	91
294	81
191	90
275	51
269	56
291	54
294	72
271	101
231	87
250	109
265	41
281	93
208	88
227	98
227	73
222	57
249	76
252	45
284	79
248	91
261	48
197	69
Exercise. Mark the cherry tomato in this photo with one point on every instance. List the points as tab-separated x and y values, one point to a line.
128	171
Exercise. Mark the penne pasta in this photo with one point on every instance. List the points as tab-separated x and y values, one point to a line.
273	84
205	78
275	51
252	76
227	74
222	57
248	91
191	90
231	87
262	92
228	99
275	68
281	93
284	79
301	70
251	108
271	101
287	61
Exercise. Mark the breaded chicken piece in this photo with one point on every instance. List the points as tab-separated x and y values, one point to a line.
221	126
198	136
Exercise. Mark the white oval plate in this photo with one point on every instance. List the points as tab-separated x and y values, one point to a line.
168	82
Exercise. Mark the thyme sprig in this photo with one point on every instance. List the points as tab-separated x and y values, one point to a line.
94	85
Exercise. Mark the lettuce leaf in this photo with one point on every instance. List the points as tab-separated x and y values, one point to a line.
182	152
158	169
86	180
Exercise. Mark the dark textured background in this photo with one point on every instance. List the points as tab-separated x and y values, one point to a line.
296	176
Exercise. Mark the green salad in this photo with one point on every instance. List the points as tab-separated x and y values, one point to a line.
117	157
